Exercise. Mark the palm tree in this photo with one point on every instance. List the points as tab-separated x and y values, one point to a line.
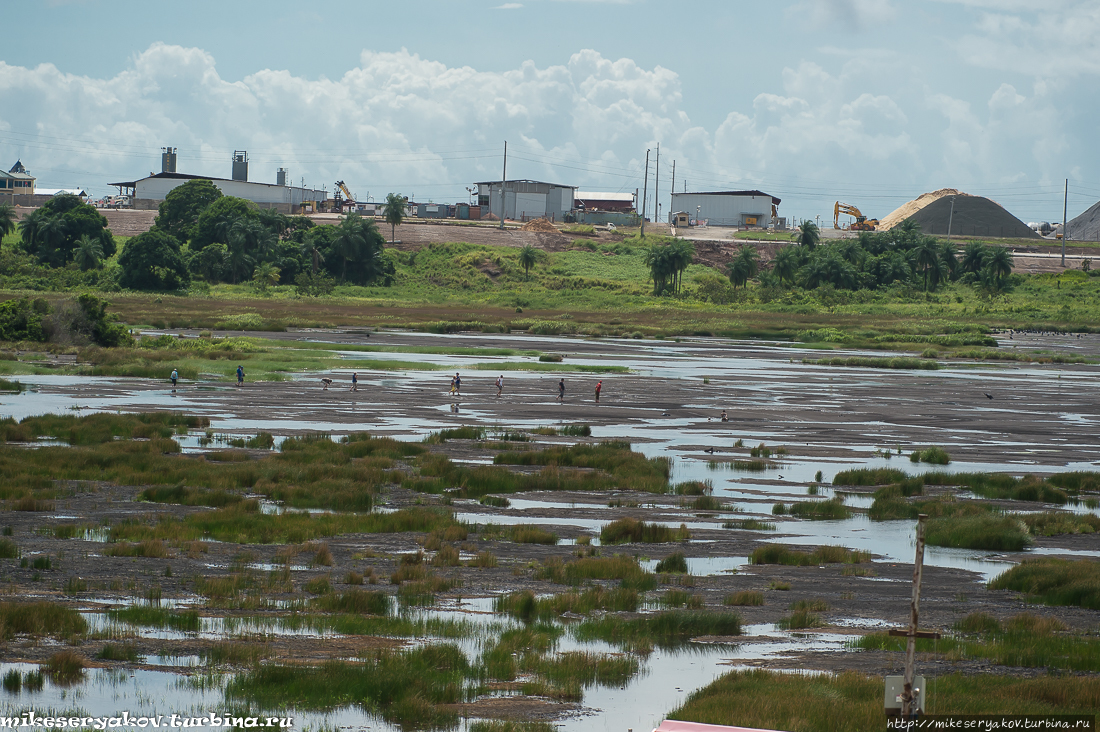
787	261
681	252
892	267
7	219
808	234
51	231
927	257
274	221
350	241
28	227
264	276
974	257
743	267
310	247
393	213
89	253
527	257
999	262
659	261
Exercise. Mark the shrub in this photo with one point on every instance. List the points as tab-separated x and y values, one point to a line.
674	563
65	667
631	530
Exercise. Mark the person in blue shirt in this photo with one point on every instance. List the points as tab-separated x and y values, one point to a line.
240	375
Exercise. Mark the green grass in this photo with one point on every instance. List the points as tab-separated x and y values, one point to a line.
667	629
745	598
780	554
749	525
988	531
934	455
36	619
869	476
632	531
9	386
125	652
405	687
799	620
623	568
830	510
245	525
1025	641
156	617
1053	581
527	607
874	362
852	702
675	563
1054	523
628	470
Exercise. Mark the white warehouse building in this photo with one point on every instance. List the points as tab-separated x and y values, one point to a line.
727	208
148	192
525	200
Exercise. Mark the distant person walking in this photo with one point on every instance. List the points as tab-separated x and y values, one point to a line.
452	390
354	382
175	377
561	391
458	385
500	385
598	387
240	375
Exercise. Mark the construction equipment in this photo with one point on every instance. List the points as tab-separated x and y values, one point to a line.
861	223
348	199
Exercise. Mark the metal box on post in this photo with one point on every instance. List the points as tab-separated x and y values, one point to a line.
895	685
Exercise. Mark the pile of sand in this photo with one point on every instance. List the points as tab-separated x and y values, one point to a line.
1086	227
542	224
907	210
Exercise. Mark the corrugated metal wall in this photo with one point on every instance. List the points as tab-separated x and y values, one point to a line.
721	210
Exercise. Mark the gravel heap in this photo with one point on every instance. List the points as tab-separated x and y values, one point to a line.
542	224
905	211
973	216
1086	227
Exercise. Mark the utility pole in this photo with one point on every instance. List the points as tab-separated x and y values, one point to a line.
950	217
672	190
645	190
1065	226
657	188
503	179
911	643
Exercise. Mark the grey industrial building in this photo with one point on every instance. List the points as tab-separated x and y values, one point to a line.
727	208
148	192
525	200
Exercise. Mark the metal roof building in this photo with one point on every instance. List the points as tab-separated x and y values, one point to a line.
17	181
155	188
525	200
605	201
728	208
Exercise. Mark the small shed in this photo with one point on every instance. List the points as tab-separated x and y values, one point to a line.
680	218
431	211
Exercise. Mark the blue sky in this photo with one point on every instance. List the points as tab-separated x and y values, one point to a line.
871	102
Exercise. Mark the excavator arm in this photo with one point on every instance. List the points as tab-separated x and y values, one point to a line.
862	223
347	194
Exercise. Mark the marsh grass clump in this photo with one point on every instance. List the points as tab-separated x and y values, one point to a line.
407	687
624	468
799	620
527	607
362	602
619	567
575	430
447	556
983	531
693	488
495	501
466	432
97	428
318	585
868	477
1054	523
781	554
680	598
507	725
8	549
532	535
749	524
933	455
707	503
666	629
1053	581
484	560
675	563
65	667
832	509
745	598
125	652
752	466
155	617
632	531
36	619
815	605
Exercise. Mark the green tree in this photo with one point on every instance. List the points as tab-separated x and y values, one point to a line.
744	266
393	213
681	252
217	219
661	270
7	219
89	253
264	276
787	261
927	254
808	235
178	214
349	243
275	222
527	257
974	257
999	264
151	261
311	247
50	233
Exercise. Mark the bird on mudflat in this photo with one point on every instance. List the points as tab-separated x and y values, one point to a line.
709	450
665	414
988	396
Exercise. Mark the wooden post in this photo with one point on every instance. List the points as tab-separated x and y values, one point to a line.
914	611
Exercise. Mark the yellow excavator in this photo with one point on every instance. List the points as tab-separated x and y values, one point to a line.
348	199
861	223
